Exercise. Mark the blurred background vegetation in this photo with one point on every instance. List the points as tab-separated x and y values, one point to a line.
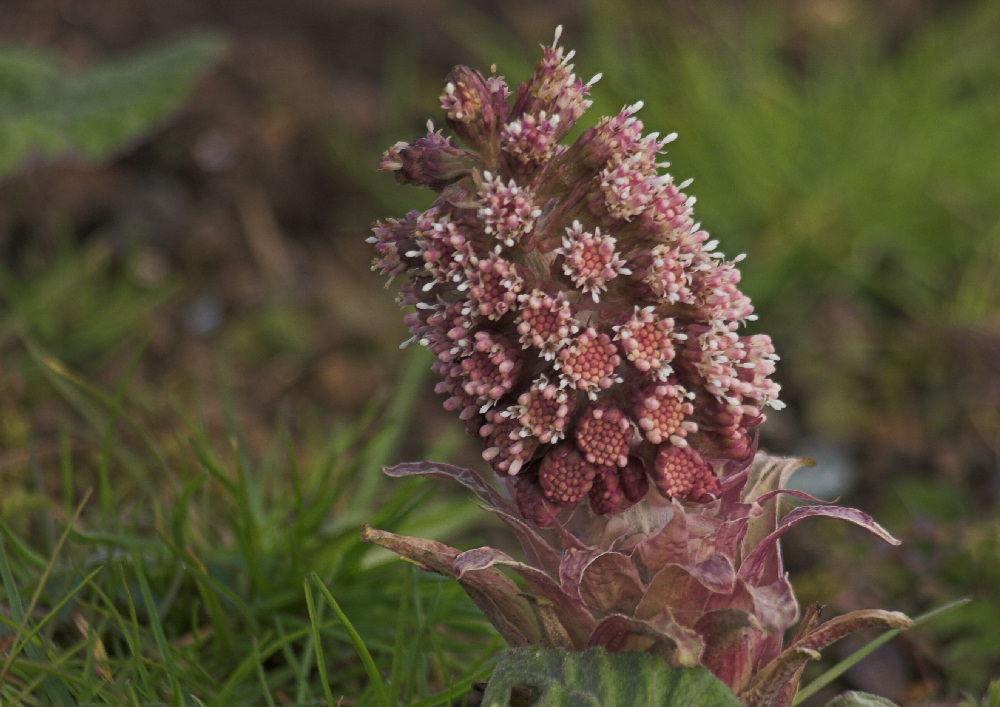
184	231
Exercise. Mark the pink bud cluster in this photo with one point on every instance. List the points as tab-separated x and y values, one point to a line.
585	327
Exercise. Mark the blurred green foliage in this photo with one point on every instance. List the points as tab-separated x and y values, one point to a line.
48	111
955	553
76	301
854	169
990	699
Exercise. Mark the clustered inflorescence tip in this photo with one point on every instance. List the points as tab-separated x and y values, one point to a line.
585	326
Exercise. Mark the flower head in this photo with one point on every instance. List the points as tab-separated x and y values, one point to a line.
590	259
585	328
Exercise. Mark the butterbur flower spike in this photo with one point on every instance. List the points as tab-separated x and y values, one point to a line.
577	268
588	331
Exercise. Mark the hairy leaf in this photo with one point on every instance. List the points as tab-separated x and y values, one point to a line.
550	678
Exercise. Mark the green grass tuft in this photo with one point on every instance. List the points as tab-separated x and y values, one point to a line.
179	579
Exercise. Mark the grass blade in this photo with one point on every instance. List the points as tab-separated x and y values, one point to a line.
317	644
42	580
366	657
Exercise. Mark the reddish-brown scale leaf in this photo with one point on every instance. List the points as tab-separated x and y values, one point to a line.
574	562
538	550
494	593
668	546
754	563
429	553
610	582
677	645
727	634
771	683
467	477
774	605
836	628
667	590
571	613
770	686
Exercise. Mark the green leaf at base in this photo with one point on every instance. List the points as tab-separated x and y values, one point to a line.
549	677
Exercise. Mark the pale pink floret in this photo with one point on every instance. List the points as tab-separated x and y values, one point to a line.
555	86
719	355
565	476
717	288
445	328
589	363
661	410
392	240
508	212
629	188
679	472
492	367
505	448
497	87
461	102
542	411
604	435
669	274
494	284
645	339
759	366
631	180
621	134
670	211
443	246
392	159
531	138
590	259
736	371
452	384
545	322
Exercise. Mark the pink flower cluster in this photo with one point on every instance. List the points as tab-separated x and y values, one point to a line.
585	327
